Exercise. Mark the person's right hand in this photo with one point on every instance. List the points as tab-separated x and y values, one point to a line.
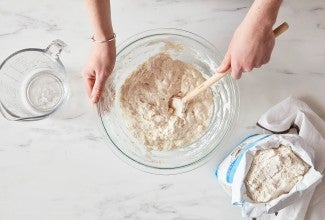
250	47
253	41
100	65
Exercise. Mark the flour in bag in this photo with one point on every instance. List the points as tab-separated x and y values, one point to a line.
273	172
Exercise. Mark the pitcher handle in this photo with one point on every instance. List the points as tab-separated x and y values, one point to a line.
56	47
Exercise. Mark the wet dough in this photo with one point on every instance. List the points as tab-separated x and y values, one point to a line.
145	102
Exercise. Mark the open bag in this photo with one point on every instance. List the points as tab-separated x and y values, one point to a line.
308	144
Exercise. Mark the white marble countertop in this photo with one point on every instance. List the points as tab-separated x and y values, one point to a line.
62	168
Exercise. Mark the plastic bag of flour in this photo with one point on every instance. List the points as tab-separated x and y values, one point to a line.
233	170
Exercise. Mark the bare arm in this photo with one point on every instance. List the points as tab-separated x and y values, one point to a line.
253	40
102	57
100	14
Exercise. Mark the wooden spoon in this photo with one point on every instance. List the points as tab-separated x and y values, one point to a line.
179	104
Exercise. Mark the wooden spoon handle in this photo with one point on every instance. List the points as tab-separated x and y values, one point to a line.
216	77
280	29
207	83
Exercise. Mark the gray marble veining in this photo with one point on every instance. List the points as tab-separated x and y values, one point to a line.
62	167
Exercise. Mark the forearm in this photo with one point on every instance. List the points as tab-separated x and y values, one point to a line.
263	12
253	41
100	14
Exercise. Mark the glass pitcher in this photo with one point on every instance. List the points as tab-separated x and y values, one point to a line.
33	83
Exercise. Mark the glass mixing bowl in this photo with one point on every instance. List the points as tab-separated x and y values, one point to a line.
187	47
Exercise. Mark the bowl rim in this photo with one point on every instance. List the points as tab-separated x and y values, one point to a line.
197	163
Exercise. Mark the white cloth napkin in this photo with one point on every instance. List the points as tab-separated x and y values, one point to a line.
294	113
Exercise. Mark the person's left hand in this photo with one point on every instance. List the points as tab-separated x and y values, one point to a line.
100	65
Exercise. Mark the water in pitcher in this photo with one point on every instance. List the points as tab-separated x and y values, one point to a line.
43	91
32	83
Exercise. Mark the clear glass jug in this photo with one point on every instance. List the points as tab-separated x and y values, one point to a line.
33	83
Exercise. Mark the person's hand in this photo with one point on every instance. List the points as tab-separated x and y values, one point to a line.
100	65
250	47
